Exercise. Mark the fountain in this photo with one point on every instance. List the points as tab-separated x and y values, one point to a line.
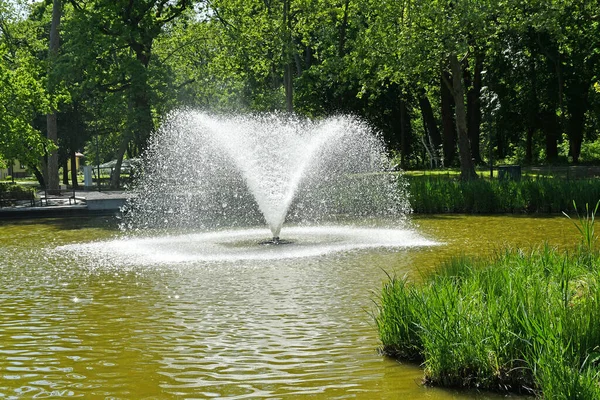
210	184
211	172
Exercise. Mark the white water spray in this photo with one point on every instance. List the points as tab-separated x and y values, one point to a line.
206	171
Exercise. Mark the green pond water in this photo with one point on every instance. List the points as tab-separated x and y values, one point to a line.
76	322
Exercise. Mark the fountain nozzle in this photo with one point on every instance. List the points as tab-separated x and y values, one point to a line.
275	240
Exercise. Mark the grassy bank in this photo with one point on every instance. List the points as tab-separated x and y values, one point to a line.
433	194
526	322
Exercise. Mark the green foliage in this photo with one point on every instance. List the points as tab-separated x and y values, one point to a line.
195	70
590	151
12	192
434	194
109	51
518	322
124	65
22	89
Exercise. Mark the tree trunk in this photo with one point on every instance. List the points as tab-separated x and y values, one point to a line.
400	124
37	173
288	58
289	89
532	108
139	129
115	178
65	171
143	123
431	128
474	106
405	133
467	169
343	29
298	62
140	124
551	129
51	170
553	124
74	182
448	125
139	93
308	54
577	106
529	145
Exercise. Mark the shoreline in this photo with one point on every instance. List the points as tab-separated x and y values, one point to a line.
69	204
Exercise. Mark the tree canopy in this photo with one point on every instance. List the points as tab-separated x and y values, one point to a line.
448	82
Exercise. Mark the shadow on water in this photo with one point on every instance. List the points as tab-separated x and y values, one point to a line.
42	232
81	222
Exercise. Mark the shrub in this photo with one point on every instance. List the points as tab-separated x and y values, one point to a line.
15	192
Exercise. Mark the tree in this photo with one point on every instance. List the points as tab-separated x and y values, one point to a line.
51	170
420	71
194	65
261	45
542	68
23	93
407	41
133	26
579	41
467	170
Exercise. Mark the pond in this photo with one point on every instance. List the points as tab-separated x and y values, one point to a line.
83	325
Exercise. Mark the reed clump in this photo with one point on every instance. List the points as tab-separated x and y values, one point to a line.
439	194
524	322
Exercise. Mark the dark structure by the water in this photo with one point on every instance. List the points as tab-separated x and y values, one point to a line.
276	241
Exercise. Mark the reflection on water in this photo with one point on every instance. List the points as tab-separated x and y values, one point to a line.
80	326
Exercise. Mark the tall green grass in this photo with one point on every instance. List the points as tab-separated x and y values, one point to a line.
439	194
526	322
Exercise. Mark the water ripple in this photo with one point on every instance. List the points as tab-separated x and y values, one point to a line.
80	326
